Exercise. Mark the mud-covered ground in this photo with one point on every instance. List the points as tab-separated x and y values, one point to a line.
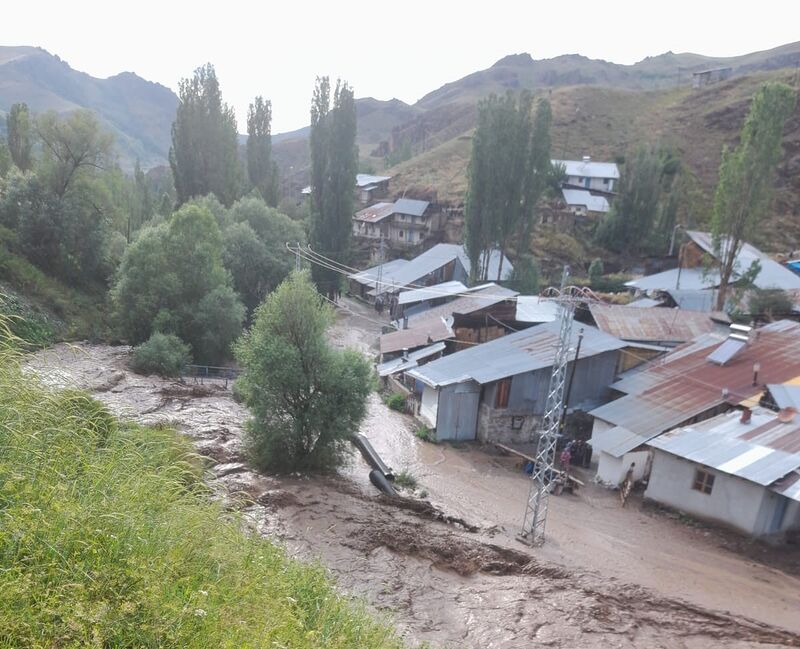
448	569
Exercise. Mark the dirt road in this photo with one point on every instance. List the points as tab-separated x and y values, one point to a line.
607	577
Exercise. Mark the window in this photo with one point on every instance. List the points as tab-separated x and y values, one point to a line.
605	181
421	236
401	234
703	481
501	393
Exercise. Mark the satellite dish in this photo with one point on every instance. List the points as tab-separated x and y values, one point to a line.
785	415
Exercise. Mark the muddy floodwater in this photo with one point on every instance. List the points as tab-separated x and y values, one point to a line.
443	563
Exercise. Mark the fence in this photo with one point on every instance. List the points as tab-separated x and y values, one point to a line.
202	373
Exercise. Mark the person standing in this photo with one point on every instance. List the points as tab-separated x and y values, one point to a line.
627	485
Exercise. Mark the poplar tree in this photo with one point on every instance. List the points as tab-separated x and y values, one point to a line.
261	169
334	162
745	178
19	128
508	172
204	156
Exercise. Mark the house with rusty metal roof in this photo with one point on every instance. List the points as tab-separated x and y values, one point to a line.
496	391
740	468
696	381
651	332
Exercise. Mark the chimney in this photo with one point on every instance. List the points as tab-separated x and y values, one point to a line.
746	414
587	158
405	353
405	322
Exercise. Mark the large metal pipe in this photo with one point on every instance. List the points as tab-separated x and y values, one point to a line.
372	458
380	481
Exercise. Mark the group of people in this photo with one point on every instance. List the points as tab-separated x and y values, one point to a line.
577	452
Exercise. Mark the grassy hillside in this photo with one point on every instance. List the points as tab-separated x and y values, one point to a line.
108	538
139	113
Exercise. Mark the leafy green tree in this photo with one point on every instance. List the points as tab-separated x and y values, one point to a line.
770	304
307	399
745	178
641	218
19	132
162	354
261	168
525	276
334	161
254	249
5	159
204	156
595	271
172	280
508	172
70	146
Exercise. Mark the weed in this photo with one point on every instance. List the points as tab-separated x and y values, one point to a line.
396	402
425	433
405	479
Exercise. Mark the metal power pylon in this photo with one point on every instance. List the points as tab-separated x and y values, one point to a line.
544	467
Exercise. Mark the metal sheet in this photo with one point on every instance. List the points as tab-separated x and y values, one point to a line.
444	289
727	351
654	325
785	395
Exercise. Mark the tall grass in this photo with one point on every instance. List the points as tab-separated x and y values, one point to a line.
109	538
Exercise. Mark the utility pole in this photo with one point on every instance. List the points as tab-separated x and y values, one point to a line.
535	519
297	265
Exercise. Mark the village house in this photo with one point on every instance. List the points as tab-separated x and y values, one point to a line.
396	344
740	468
406	223
368	188
418	300
587	174
695	274
581	202
444	262
712	75
650	332
496	391
694	382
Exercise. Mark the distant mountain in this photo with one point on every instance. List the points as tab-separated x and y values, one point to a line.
138	112
445	117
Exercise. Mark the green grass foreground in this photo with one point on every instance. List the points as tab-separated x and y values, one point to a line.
109	538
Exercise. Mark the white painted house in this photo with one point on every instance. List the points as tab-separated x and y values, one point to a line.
588	174
741	469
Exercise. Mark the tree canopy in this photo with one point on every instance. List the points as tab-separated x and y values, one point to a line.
19	134
261	168
334	162
745	177
307	399
172	280
204	156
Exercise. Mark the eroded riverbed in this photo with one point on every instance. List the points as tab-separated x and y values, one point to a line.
606	578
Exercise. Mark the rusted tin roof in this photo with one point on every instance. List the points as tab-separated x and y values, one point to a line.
656	325
431	331
685	384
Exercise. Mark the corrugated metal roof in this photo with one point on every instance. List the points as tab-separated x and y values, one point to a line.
763	451
431	293
587	199
402	364
516	353
385	271
494	264
532	308
644	303
362	180
590	169
410	206
684	384
431	331
690	278
654	325
375	213
694	300
772	275
478	298
785	395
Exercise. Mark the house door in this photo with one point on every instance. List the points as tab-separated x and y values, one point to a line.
586	182
466	403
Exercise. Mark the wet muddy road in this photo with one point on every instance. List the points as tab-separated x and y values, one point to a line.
606	578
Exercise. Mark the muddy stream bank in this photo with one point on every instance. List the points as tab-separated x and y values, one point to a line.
606	578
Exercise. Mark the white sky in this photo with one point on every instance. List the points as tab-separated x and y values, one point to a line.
384	49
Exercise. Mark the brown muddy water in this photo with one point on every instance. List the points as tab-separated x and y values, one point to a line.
448	569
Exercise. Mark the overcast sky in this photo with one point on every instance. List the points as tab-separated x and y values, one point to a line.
384	49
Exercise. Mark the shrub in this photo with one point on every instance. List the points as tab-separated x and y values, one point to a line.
405	479
396	402
425	433
162	354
